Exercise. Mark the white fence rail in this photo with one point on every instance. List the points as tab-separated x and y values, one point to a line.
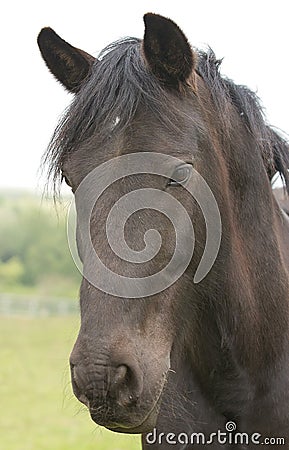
20	305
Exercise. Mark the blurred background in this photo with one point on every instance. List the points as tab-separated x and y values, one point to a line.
39	283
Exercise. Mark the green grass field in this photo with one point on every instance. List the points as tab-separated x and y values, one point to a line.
38	410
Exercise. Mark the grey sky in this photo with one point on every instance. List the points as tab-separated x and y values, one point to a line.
251	35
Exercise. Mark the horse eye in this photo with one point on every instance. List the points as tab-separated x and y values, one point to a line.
63	177
180	175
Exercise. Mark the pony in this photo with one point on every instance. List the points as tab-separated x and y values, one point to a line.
185	363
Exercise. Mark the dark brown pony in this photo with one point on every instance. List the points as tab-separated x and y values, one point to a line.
195	358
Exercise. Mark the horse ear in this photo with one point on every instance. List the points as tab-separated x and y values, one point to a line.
68	64
167	50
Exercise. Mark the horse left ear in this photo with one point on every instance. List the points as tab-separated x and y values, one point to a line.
167	50
68	64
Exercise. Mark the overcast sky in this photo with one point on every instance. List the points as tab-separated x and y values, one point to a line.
252	36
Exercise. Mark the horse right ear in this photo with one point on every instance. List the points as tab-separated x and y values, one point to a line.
166	50
70	65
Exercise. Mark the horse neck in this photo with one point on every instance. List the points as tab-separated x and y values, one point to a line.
244	300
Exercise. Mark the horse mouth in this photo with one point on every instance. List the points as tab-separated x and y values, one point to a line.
144	425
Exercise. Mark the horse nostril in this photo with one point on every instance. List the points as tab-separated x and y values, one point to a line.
72	373
74	377
76	385
126	384
120	374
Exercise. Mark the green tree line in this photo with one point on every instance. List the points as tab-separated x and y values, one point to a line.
34	252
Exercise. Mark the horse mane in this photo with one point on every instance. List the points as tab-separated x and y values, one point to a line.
120	81
274	148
